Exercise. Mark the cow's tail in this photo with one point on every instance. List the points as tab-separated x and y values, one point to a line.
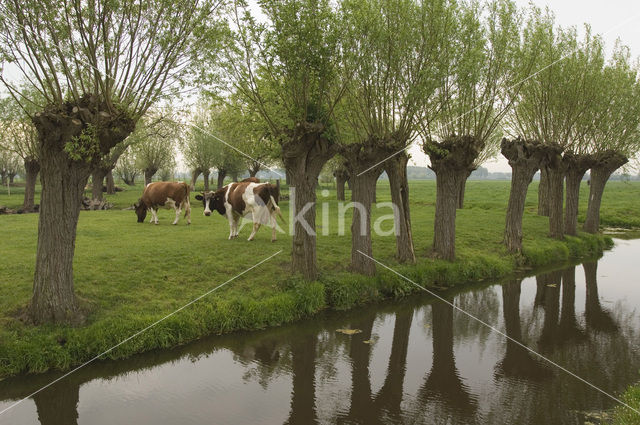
187	200
274	198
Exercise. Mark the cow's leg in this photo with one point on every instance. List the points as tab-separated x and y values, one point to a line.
178	211
273	227
231	221
187	214
236	229
155	215
256	226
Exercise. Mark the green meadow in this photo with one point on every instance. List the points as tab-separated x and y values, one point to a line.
129	275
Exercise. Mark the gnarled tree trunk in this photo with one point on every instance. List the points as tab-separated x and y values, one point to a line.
451	160
576	166
97	178
341	175
359	158
205	175
605	164
254	170
111	184
32	168
148	175
461	189
221	175
554	169
194	177
63	181
304	156
543	193
524	158
396	168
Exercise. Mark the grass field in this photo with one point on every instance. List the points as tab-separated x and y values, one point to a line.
129	274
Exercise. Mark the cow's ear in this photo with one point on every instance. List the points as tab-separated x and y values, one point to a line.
199	197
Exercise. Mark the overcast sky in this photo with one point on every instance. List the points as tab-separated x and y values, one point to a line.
611	18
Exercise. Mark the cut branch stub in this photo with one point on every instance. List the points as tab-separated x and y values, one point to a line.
523	153
609	160
456	152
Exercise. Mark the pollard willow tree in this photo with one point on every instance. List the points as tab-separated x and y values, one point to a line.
551	103
198	149
614	136
395	51
98	66
154	142
288	69
476	93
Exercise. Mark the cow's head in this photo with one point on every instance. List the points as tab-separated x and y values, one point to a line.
212	201
141	210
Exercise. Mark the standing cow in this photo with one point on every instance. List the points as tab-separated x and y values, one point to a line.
164	194
237	200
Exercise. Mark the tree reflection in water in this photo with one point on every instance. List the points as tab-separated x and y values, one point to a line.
317	361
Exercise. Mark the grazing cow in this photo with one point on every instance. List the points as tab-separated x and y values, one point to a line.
164	194
251	180
237	200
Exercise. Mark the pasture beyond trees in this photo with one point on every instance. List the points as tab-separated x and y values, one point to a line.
129	275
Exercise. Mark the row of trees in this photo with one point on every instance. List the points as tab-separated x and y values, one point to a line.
304	82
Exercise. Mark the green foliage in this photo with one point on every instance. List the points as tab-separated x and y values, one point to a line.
622	415
84	147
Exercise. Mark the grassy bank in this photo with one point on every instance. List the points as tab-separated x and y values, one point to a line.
623	415
129	275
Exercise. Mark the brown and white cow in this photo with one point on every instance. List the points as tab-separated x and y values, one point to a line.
237	200
164	194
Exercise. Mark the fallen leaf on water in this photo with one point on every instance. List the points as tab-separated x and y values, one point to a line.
349	331
369	341
426	325
552	285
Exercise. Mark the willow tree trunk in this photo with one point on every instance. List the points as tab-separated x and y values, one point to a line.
97	179
63	185
194	177
3	178
576	166
221	176
461	189
543	193
451	160
205	175
254	170
111	184
363	192
605	164
524	158
148	175
396	168
304	156
32	168
444	230
63	181
556	196
11	177
340	182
